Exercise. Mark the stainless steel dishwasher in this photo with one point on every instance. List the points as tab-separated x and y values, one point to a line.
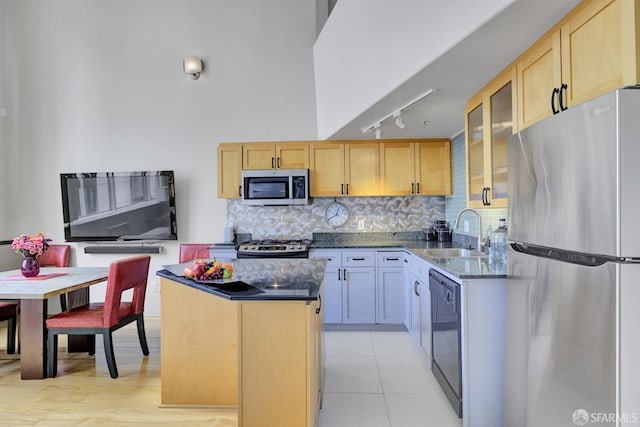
445	337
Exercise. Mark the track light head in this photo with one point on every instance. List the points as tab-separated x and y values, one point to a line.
378	130
399	121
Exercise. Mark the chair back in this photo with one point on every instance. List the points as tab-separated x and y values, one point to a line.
129	273
191	251
55	255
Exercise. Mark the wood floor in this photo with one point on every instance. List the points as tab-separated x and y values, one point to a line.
83	393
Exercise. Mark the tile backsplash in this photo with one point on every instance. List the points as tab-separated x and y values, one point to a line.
367	214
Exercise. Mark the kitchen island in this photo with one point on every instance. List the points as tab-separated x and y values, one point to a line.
254	343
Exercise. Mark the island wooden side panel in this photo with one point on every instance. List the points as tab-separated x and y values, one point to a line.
274	370
199	347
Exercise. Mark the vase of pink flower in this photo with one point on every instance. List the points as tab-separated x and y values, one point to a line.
30	247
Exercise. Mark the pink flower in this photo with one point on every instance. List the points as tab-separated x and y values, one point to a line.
34	245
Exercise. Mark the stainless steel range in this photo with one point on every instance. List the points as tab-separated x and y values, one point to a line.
274	249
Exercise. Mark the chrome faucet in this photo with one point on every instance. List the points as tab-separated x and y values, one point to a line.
480	244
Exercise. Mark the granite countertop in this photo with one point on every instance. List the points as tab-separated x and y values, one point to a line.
394	239
461	267
401	244
467	267
278	279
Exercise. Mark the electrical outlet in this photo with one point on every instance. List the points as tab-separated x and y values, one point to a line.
361	224
155	286
465	226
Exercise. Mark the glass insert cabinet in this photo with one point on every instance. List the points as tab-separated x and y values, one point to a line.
489	122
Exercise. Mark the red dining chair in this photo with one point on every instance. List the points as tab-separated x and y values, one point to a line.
56	256
104	318
191	251
9	312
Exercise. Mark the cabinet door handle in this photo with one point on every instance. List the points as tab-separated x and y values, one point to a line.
412	192
240	190
339	279
319	304
392	259
278	163
341	188
561	97
347	188
418	188
555	92
485	196
406	261
273	163
415	288
357	259
344	274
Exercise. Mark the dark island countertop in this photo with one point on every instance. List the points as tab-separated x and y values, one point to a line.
278	279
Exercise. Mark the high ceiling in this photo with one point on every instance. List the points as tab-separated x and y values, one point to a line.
459	74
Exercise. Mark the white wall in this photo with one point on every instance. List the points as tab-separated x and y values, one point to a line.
98	85
368	48
5	231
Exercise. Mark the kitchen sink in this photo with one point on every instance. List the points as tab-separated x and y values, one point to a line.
453	253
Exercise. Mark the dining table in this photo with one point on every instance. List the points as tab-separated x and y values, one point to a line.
32	294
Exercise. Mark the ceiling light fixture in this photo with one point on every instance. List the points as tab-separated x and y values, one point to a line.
399	121
378	130
397	113
193	65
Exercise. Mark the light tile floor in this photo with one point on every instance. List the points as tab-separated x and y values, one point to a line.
381	379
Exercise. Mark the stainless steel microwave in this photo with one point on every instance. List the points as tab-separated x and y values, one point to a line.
275	187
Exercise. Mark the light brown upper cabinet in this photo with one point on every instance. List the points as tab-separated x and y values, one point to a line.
490	117
539	77
593	50
344	169
229	171
415	168
599	50
285	155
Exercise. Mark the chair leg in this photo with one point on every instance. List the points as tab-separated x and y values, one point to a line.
63	302
11	335
142	336
108	351
52	356
92	344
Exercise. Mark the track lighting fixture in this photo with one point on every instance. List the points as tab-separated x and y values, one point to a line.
399	120
397	115
378	130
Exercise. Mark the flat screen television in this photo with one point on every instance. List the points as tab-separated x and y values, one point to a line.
112	206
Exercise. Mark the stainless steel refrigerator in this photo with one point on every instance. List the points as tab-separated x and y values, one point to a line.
573	294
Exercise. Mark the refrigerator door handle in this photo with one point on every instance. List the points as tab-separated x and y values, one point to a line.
587	260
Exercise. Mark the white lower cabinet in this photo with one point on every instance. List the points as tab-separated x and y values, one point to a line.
416	288
418	302
390	307
425	319
359	295
363	286
332	284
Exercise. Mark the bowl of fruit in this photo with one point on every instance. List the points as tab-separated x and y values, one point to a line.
209	271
